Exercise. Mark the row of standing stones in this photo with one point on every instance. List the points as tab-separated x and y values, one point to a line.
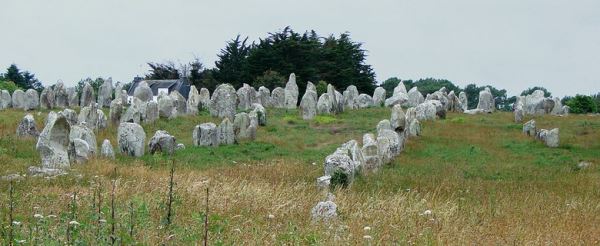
69	138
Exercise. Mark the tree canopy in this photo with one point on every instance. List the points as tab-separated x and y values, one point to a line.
528	91
22	79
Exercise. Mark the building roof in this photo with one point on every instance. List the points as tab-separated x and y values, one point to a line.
181	85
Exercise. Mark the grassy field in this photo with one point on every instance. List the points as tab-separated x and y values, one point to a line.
481	179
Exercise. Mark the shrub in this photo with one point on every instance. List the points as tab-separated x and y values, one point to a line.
325	119
321	87
581	104
339	179
8	85
270	79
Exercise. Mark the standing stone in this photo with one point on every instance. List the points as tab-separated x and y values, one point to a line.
415	97
167	107
151	114
464	102
246	95
87	95
364	101
73	97
225	133
308	105
93	117
350	98
311	87
79	151
61	97
291	92
264	96
53	142
105	93
398	120
370	153
529	128
205	99
379	96
18	99
180	102
414	128
278	97
241	125
426	111
223	102
5	100
399	98
400	88
334	99
558	107
534	103
162	142
131	138
120	93
206	134
81	131
133	114
143	92
324	105
27	127
518	111
116	111
32	99
261	114
384	125
107	150
70	115
454	103
486	100
193	102
47	98
552	138
389	145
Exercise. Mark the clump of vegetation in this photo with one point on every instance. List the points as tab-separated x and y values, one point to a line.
325	119
339	179
581	104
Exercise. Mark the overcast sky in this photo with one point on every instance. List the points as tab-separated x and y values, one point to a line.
511	44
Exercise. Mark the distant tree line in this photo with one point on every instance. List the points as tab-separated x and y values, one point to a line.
268	62
14	79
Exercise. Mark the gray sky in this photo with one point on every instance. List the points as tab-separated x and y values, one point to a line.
511	44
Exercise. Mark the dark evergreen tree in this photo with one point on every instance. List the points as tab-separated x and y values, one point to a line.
23	79
232	65
531	90
160	71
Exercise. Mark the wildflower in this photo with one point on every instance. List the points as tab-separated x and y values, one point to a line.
426	212
367	228
17	223
38	216
102	221
73	222
21	241
271	216
367	237
51	216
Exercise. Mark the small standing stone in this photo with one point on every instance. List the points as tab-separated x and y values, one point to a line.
162	142
27	127
131	138
107	150
206	135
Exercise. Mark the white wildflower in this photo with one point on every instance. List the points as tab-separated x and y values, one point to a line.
102	221
73	222
51	216
21	241
17	223
271	216
367	237
367	228
38	216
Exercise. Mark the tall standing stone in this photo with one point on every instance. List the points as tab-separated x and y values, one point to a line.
116	111
151	114
291	92
350	98
73	97
486	100
32	99
143	92
370	153
379	96
180	102
18	99
131	139
324	105
47	98
464	102
225	133
278	97
223	102
5	100
53	142
398	119
264	96
105	93
241	125
106	150
87	95
193	102
246	96
205	99
167	107
415	97
61	96
308	105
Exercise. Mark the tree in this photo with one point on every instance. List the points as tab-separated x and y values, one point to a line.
95	83
528	91
581	104
232	65
270	79
431	85
500	98
8	85
389	85
23	79
160	71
